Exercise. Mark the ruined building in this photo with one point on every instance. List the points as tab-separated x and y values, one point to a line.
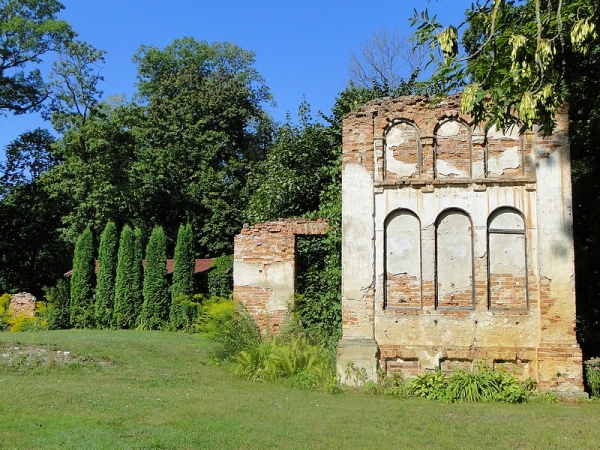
457	245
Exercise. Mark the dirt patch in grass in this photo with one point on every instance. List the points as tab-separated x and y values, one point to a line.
18	357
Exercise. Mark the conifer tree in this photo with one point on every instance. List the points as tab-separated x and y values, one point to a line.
138	274
82	282
155	309
107	266
125	308
183	275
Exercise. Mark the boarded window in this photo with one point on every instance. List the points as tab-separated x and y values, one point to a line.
402	152
403	260
453	150
507	261
454	260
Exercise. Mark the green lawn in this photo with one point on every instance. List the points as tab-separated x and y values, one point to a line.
130	389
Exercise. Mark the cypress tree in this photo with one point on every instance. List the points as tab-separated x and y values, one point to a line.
183	275
138	275
155	309
82	282
126	308
107	265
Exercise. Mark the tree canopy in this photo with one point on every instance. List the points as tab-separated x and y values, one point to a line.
513	61
29	29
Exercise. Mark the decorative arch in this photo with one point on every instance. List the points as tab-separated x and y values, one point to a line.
507	260
453	149
402	263
403	154
455	287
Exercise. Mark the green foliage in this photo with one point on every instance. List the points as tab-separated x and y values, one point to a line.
217	314
213	96
220	277
31	252
128	286
105	285
514	69
482	384
184	312
231	336
59	305
308	366
83	282
592	376
28	30
183	277
155	309
289	182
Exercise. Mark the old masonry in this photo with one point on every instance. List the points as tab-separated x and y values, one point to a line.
457	247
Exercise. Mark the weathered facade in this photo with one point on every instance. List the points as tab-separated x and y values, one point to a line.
457	245
264	268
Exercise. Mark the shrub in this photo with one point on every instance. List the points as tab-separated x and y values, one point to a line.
231	336
220	277
155	309
58	300
216	315
308	366
184	312
592	376
482	384
82	282
107	266
183	278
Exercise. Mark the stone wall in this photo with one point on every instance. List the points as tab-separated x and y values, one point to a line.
457	245
23	303
264	270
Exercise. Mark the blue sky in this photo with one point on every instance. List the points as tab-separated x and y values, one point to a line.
302	49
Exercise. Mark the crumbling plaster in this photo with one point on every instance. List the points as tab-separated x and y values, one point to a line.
459	173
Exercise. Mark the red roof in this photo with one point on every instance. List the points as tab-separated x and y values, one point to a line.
202	265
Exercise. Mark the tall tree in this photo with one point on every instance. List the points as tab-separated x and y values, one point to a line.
200	135
105	284
128	291
29	29
155	310
83	282
31	253
183	274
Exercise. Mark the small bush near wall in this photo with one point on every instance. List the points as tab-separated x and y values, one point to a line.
592	375
220	277
58	299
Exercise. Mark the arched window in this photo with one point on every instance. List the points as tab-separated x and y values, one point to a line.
453	153
402	260
403	154
507	260
454	260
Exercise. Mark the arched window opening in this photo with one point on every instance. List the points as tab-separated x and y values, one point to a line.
453	153
403	287
403	153
507	260
454	261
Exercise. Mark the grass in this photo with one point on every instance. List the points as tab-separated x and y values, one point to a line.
156	390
